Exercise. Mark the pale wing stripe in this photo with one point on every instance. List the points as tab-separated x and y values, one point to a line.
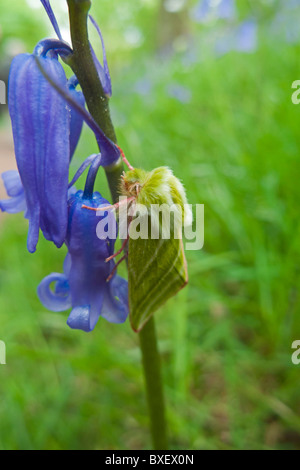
146	267
161	295
167	286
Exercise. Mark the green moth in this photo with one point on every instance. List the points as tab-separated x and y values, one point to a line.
156	203
157	267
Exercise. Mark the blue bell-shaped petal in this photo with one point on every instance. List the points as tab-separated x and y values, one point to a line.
41	126
84	286
90	291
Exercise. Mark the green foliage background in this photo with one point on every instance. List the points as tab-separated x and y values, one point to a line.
226	338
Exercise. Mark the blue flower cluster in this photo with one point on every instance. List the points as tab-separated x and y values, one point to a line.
231	34
46	129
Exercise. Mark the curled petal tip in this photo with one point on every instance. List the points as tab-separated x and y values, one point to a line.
58	300
56	46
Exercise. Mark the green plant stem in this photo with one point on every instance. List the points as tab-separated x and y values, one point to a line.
153	382
84	68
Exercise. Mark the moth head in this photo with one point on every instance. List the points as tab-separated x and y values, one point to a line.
156	187
132	182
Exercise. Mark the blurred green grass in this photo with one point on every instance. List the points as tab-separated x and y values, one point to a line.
226	338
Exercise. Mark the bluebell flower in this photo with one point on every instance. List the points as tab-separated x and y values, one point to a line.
46	129
201	11
206	9
84	286
242	38
284	26
40	124
47	114
226	9
179	92
246	36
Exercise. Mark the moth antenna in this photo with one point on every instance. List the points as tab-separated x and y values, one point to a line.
119	251
116	267
125	159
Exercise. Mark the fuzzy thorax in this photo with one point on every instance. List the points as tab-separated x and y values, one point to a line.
156	187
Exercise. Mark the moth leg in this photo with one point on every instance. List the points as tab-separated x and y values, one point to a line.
124	201
113	206
125	159
116	267
106	208
119	251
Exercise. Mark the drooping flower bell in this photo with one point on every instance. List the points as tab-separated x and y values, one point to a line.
91	294
89	284
41	126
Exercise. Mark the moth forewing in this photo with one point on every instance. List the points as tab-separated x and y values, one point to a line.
139	225
157	267
157	270
166	221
